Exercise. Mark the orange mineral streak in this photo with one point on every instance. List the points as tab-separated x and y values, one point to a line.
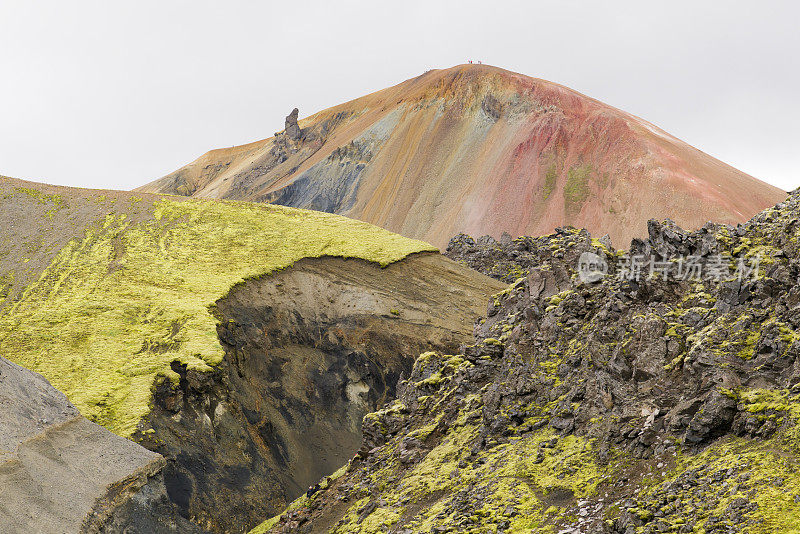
478	149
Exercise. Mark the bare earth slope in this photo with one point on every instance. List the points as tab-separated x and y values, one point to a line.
480	150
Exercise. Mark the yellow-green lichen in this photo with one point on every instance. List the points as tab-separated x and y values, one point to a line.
767	468
576	190
550	177
105	319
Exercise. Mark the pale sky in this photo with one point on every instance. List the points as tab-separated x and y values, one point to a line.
116	94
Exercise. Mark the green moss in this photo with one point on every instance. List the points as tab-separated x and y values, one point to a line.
570	464
747	350
6	282
508	475
557	299
56	201
724	237
106	318
297	503
576	190
426	358
550	177
448	366
602	246
765	254
758	401
380	520
434	471
265	527
434	380
768	467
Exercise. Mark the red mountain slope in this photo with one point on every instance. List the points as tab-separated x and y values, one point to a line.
481	150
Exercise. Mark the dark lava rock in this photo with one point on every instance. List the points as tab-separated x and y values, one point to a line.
293	130
637	370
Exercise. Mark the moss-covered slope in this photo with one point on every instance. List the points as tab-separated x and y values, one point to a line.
101	291
615	406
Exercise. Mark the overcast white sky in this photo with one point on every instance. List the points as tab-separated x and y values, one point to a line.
113	94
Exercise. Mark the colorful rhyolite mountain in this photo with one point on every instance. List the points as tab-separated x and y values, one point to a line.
480	150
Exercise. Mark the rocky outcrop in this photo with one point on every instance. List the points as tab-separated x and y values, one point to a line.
509	259
491	106
339	173
61	473
293	130
624	404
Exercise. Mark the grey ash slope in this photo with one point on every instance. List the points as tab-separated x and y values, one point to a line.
61	473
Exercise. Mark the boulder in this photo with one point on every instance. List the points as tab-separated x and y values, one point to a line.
61	473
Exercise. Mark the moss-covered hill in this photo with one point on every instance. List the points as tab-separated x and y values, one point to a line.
101	291
615	406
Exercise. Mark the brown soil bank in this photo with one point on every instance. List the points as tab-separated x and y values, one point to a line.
309	351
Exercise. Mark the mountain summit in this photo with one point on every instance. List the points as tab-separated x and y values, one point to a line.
481	150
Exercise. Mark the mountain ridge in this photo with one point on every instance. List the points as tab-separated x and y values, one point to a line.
481	150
